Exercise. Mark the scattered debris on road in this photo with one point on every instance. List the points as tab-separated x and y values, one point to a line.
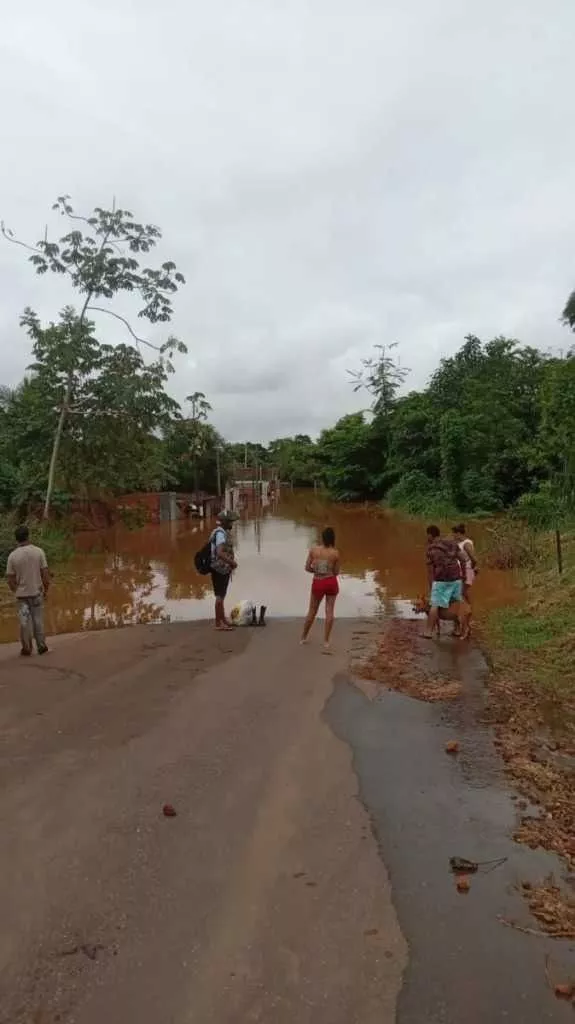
395	662
168	811
88	949
563	990
553	907
452	747
461	866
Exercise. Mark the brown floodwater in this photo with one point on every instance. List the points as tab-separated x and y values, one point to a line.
121	577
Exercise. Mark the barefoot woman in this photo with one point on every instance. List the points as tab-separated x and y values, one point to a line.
323	563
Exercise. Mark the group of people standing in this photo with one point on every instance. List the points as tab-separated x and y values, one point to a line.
451	569
322	562
451	566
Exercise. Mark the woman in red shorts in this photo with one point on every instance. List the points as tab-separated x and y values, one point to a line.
323	562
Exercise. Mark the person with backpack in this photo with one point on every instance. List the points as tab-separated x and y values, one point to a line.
217	559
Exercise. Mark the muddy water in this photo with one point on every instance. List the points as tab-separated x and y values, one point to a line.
124	577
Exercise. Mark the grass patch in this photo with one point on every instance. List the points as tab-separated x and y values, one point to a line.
532	698
533	645
520	629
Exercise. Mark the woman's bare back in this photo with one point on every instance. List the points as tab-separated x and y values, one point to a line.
324	561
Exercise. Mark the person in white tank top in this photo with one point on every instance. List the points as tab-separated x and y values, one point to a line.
467	548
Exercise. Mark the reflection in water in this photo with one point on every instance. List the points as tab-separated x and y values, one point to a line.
122	577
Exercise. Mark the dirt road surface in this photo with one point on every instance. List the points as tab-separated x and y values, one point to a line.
264	899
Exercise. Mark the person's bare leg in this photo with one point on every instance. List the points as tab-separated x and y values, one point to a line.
329	617
314	603
221	621
461	609
225	621
432	623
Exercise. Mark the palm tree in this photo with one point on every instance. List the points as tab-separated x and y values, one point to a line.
200	409
200	406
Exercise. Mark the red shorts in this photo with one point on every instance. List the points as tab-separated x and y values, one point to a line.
327	586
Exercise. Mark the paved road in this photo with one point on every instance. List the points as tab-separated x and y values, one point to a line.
265	899
299	797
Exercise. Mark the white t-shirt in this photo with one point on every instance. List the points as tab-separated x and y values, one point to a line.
26	563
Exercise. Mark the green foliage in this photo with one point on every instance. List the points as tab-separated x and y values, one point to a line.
568	315
344	454
496	422
381	376
54	539
132	516
192	451
87	399
419	495
100	259
541	510
296	459
487	402
117	404
414	441
557	436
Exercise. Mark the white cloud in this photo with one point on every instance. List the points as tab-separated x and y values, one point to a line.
328	175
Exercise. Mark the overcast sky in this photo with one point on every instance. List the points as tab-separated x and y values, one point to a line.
328	175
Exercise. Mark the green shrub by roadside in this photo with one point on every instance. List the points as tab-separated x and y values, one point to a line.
418	495
533	644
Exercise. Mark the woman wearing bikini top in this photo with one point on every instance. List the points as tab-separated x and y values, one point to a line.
323	563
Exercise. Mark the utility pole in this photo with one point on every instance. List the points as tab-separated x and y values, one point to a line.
218	471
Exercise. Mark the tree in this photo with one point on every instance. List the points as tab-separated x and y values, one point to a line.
186	471
344	453
197	435
486	406
295	459
381	376
557	436
100	260
414	439
200	406
110	441
568	315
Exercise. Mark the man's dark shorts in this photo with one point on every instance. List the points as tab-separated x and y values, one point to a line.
220	583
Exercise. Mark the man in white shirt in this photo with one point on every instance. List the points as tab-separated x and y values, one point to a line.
29	579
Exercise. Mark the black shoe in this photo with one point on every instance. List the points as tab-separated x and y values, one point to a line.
262	619
25	653
254	621
43	649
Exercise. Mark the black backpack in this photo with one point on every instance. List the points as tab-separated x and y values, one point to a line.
203	558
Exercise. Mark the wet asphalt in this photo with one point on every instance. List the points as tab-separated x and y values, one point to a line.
265	898
425	806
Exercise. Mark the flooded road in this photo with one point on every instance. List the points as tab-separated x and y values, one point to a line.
306	874
124	577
